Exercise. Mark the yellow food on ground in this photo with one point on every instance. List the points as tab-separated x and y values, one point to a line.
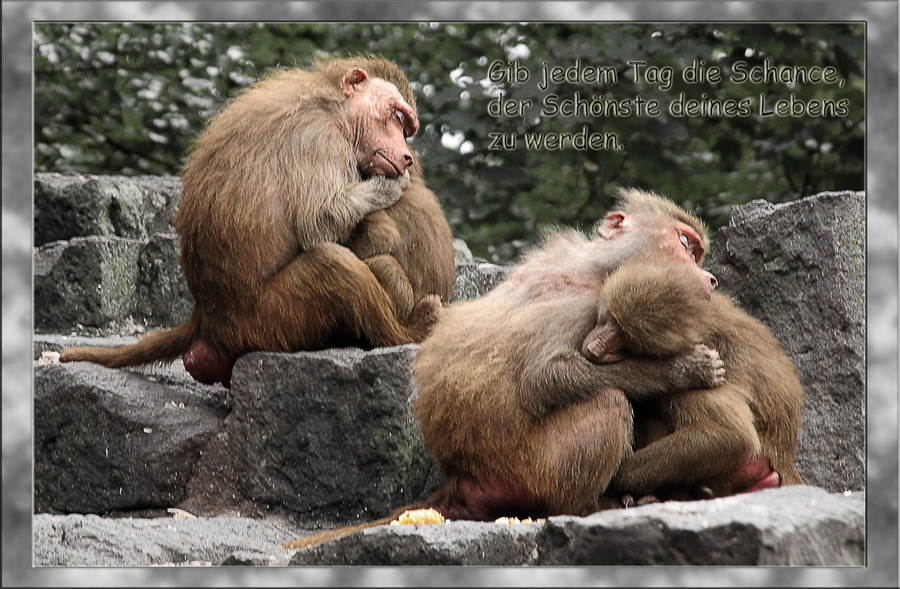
418	516
48	357
512	520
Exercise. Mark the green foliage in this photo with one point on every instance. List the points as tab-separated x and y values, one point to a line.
128	98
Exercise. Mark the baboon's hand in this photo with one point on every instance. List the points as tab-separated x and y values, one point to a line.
384	191
424	317
703	367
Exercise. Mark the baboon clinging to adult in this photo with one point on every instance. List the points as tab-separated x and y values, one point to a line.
276	184
408	245
409	248
711	441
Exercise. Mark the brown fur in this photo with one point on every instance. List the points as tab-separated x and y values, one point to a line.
519	420
652	318
409	245
644	225
641	317
506	395
277	181
704	438
409	249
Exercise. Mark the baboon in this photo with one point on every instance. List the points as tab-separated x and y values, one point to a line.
409	247
521	423
273	189
712	441
648	308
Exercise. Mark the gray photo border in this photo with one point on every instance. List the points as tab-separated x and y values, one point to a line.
881	17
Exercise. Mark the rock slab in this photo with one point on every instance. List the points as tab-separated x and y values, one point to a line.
75	205
109	285
791	526
93	541
800	268
108	440
330	435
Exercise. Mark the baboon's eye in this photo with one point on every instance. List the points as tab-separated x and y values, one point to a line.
691	245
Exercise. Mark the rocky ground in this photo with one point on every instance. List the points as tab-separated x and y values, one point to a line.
145	466
790	526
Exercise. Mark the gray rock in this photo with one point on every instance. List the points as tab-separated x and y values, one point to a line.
458	543
108	285
92	541
67	206
326	438
330	435
790	526
474	279
88	281
163	298
800	267
109	440
461	252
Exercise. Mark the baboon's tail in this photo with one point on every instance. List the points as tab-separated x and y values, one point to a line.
316	539
159	346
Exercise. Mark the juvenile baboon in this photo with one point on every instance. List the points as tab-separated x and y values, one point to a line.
520	421
409	247
276	183
712	441
647	308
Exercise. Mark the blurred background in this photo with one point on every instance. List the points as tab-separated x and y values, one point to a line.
128	98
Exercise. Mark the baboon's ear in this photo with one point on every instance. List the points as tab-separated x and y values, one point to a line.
615	222
352	79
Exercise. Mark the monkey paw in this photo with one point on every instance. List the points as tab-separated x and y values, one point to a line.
425	316
647	500
710	366
387	191
596	349
604	344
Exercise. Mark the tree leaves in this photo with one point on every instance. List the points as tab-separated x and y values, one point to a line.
128	98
